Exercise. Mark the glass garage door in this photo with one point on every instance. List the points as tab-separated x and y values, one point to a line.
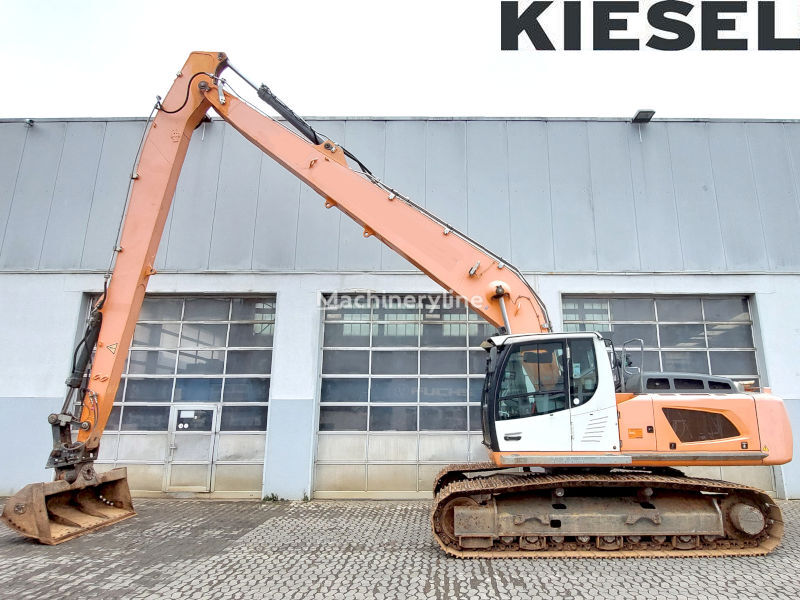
687	334
191	411
399	395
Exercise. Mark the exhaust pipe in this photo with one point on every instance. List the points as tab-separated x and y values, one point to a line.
58	511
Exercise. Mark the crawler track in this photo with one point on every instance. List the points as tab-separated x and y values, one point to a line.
475	483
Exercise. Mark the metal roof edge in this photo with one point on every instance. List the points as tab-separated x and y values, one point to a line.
450	118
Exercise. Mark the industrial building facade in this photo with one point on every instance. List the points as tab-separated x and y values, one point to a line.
280	353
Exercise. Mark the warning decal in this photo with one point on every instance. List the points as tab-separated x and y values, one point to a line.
112	348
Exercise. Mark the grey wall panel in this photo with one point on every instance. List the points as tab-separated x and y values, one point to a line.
488	218
30	205
69	211
317	243
187	242
570	185
120	145
612	197
654	194
12	144
367	141
276	218
776	190
404	170
235	209
531	226
701	237
739	211
445	171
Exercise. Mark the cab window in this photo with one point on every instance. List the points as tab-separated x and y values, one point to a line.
583	365
533	381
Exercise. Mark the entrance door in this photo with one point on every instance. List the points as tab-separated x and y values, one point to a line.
191	448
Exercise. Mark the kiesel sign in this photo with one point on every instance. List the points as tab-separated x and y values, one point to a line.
666	17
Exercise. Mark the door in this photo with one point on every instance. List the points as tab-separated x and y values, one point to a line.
191	447
533	412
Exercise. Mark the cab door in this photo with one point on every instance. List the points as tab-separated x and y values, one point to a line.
532	406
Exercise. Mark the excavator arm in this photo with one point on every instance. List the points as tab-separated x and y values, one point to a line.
493	288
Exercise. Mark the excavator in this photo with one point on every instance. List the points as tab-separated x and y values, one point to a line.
583	448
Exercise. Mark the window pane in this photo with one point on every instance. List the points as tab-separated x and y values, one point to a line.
344	390
198	390
247	389
161	309
679	309
682	336
194	420
152	362
733	363
251	334
445	334
475	418
206	309
622	333
633	358
248	362
157	335
585	309
393	390
443	390
343	418
201	362
730	336
583	382
443	363
393	418
475	389
685	362
394	362
346	334
113	420
445	308
443	418
243	418
726	309
253	309
404	309
148	390
604	329
345	361
395	334
632	309
145	418
480	332
203	336
346	311
477	361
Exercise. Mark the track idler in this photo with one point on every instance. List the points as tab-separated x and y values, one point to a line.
58	511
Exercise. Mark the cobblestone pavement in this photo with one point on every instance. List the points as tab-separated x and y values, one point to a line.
350	550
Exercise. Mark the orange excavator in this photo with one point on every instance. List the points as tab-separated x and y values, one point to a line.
583	449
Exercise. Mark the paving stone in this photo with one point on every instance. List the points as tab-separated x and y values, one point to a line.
351	550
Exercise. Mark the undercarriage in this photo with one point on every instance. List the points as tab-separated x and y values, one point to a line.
480	511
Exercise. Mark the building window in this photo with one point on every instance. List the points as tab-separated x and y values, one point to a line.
199	350
408	363
685	334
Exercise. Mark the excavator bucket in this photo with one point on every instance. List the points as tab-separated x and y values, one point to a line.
58	511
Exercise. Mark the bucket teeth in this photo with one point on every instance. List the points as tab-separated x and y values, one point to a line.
58	511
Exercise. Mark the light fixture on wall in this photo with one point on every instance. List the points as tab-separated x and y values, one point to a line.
643	116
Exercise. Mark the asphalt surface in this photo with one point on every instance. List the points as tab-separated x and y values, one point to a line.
351	550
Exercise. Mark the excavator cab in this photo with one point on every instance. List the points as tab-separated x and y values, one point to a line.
549	393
